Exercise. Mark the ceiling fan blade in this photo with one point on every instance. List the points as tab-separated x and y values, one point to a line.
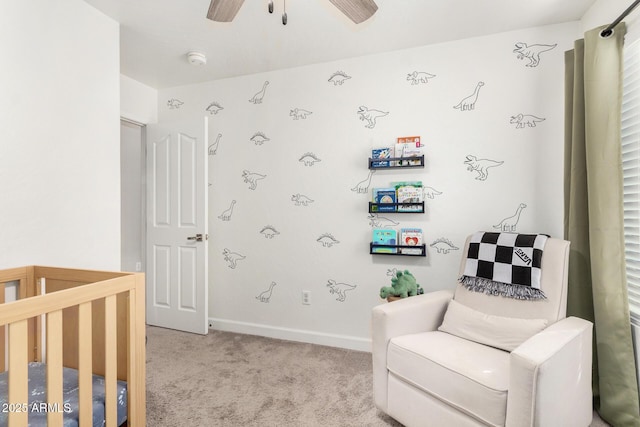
224	10
356	10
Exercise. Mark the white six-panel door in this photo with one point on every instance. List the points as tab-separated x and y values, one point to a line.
177	226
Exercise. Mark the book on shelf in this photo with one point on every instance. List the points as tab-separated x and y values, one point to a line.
381	153
408	146
384	236
409	192
384	195
411	237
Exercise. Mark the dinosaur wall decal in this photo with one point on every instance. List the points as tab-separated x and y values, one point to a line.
252	178
226	214
327	240
418	77
301	200
510	222
213	148
338	78
363	186
257	98
481	166
370	115
269	231
299	113
522	120
214	108
431	192
309	159
443	245
340	289
532	52
232	258
377	221
174	104
265	296
469	103
259	138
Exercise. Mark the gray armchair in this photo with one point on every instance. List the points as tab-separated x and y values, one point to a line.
424	376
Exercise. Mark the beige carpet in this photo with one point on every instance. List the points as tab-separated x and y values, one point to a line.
227	379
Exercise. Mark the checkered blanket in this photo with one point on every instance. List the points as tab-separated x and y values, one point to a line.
506	264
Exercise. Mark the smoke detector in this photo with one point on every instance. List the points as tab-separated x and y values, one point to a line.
196	58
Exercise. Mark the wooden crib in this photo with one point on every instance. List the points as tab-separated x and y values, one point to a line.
92	321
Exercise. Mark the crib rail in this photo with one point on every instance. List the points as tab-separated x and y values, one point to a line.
81	290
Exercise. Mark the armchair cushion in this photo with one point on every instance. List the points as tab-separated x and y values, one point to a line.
505	333
442	365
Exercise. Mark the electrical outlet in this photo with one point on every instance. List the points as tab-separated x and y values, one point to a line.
138	266
306	297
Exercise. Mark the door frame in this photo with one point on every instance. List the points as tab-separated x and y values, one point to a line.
143	190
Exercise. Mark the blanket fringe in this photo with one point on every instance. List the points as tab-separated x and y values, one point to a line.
489	287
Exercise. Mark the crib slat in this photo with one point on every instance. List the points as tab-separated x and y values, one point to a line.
136	359
54	368
25	290
18	391
110	360
85	365
36	325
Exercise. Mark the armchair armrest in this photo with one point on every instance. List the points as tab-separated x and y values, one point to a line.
550	377
421	313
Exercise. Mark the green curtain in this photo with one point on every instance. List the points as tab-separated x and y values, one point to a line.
593	218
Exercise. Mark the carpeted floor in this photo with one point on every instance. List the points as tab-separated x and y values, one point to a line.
227	379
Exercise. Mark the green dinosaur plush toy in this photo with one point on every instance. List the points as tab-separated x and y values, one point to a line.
403	285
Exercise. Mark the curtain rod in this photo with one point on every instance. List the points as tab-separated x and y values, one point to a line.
609	30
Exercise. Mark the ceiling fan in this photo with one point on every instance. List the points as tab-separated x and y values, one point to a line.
356	10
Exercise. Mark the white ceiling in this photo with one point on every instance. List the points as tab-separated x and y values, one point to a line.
156	34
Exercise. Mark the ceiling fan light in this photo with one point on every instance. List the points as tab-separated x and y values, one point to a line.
196	58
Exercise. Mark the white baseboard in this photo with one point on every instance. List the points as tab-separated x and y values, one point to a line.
331	340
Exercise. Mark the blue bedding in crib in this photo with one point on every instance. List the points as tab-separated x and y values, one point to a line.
37	406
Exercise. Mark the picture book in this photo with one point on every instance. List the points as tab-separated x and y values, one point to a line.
383	236
411	237
409	192
384	195
408	146
409	139
381	153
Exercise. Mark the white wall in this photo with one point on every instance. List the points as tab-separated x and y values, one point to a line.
294	259
59	155
138	102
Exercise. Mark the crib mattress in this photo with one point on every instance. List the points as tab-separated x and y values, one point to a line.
37	407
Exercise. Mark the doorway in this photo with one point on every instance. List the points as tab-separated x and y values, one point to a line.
133	195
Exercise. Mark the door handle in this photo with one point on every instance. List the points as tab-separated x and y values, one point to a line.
198	237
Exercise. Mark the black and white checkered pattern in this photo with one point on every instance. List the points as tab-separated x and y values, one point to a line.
507	264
